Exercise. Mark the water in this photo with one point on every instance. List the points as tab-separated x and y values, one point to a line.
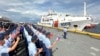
96	29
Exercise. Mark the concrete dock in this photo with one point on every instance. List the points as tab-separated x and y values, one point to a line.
75	44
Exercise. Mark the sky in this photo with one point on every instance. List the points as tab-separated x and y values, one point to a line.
31	10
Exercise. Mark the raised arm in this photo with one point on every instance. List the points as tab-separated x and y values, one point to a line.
15	45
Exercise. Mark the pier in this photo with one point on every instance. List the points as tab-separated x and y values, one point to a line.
75	44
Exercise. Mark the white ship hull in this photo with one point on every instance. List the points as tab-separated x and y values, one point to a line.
80	25
70	25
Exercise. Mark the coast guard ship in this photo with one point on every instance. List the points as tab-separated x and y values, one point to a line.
63	20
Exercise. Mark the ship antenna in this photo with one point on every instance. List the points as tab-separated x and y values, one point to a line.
50	11
84	8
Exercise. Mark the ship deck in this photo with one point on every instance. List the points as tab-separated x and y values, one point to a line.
75	44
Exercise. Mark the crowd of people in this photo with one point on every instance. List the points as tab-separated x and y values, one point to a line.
38	39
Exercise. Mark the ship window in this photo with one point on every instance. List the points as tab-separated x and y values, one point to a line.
64	19
47	19
87	18
43	20
67	15
75	25
51	19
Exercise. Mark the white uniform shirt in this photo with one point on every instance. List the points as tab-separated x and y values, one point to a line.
47	42
65	30
34	30
32	49
4	51
8	42
40	36
28	37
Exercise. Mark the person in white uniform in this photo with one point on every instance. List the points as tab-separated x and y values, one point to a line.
32	47
4	51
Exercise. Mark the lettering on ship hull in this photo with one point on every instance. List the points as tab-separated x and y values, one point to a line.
65	24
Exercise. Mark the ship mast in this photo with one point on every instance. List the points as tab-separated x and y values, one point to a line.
50	11
84	8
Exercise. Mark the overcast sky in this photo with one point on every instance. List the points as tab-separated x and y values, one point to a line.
30	10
